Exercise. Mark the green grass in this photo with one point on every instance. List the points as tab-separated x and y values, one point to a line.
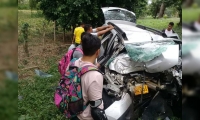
35	20
190	14
161	24
8	19
8	102
37	97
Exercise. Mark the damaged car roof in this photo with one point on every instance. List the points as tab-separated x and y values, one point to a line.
136	34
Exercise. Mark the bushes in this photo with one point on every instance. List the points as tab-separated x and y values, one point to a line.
165	16
23	7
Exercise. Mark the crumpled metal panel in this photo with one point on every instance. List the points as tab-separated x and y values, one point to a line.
124	65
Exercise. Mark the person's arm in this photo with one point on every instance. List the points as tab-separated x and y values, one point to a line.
101	28
95	92
104	31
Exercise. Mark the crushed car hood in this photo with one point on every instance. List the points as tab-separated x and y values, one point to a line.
135	34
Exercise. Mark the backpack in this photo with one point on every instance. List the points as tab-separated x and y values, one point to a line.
68	95
64	62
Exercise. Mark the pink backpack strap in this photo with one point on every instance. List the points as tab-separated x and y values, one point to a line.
80	50
88	68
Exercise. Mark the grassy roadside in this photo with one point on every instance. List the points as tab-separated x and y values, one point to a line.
35	97
161	24
190	14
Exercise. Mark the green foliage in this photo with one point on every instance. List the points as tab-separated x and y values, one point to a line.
190	14
8	20
35	22
140	7
68	13
23	7
33	4
8	3
155	6
24	31
49	9
194	5
171	12
8	102
165	16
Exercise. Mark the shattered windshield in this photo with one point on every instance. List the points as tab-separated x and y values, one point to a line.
144	52
117	14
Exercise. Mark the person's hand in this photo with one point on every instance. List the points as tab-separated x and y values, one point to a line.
111	27
98	65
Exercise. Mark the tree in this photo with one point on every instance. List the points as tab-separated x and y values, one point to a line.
25	32
188	3
33	4
178	6
154	8
164	4
49	8
68	13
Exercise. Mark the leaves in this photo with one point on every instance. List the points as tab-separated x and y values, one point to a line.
71	12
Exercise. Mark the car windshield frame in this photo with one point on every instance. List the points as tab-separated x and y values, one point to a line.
119	14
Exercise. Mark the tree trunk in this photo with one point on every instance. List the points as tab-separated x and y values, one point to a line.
180	16
44	40
155	14
156	11
64	35
73	27
54	31
44	33
26	48
162	10
188	3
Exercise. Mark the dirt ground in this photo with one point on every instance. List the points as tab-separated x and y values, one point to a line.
40	56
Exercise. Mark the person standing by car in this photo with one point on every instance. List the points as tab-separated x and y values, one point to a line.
195	26
92	81
97	31
169	30
77	34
